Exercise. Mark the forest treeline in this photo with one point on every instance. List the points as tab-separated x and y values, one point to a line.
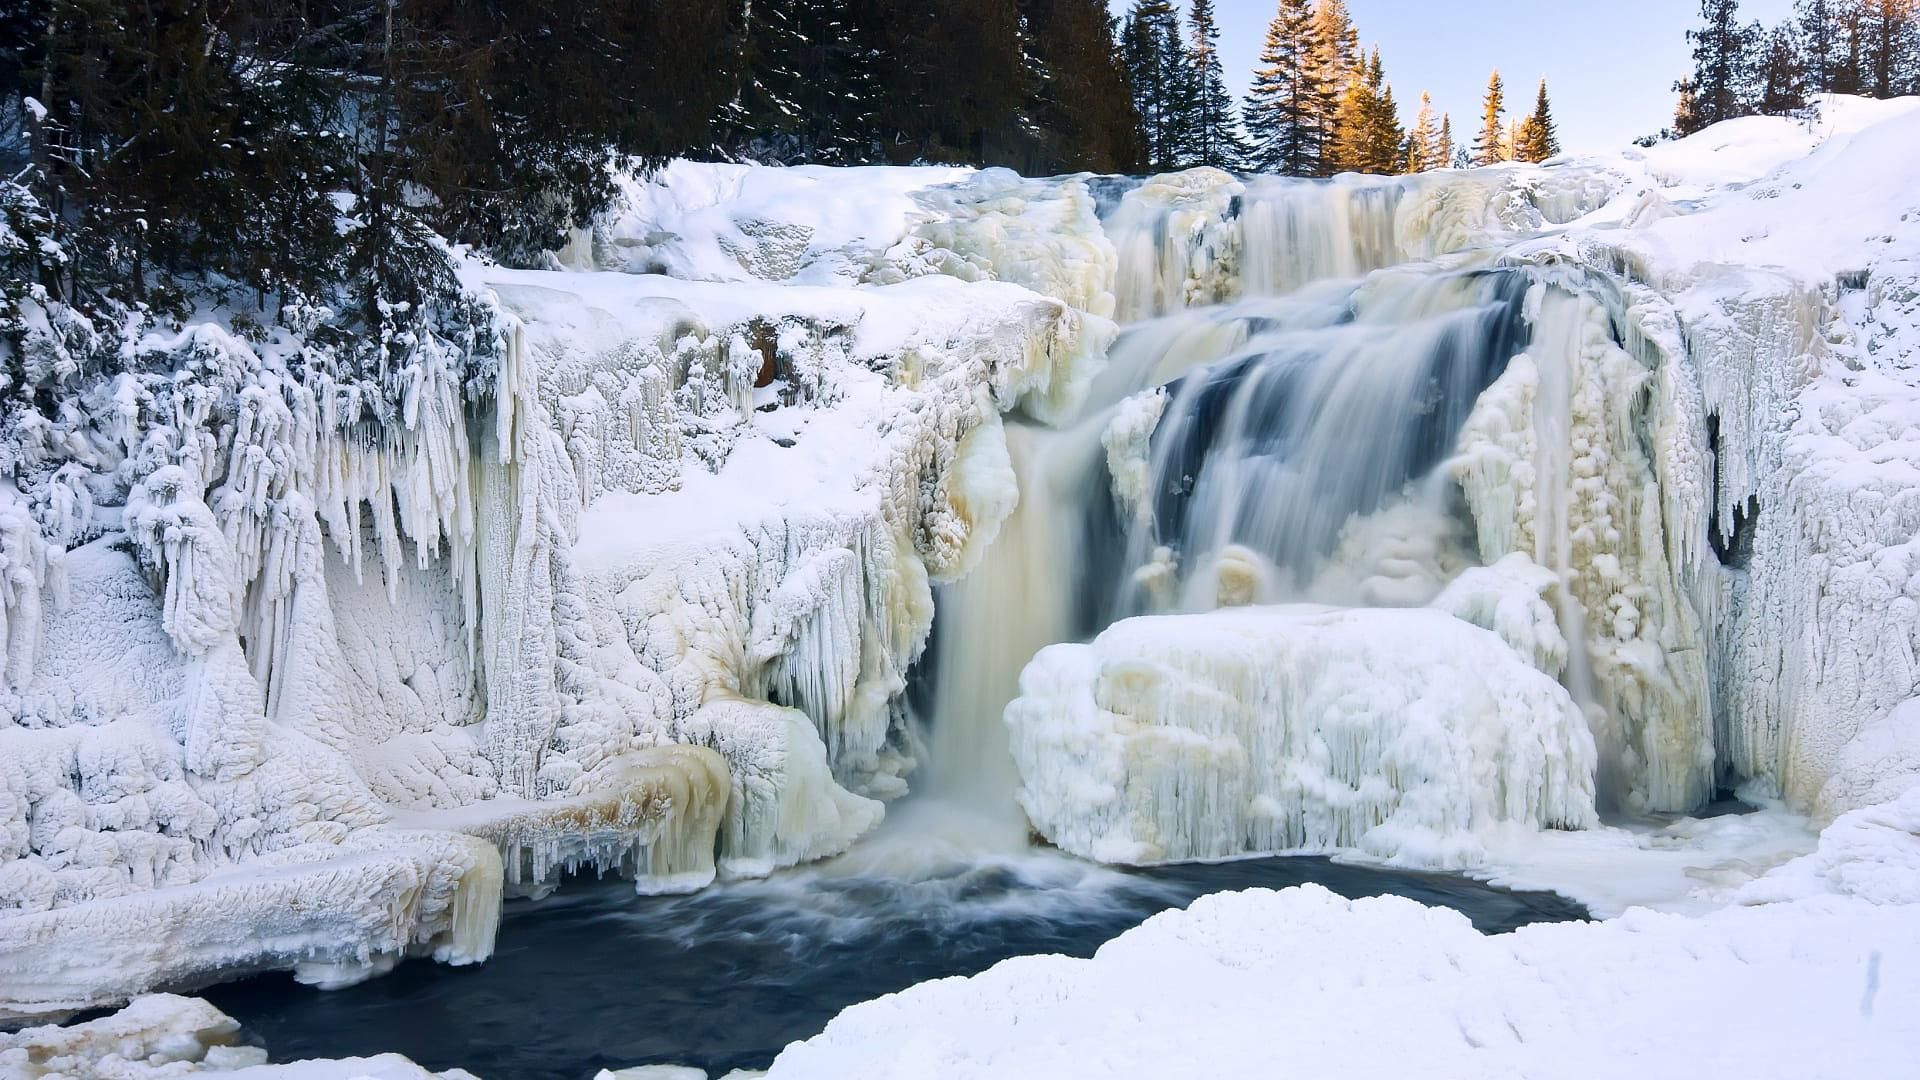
285	147
288	147
1745	68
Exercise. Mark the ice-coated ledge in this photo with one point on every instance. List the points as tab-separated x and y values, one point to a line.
162	1035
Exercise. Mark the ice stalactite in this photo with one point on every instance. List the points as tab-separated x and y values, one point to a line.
1554	467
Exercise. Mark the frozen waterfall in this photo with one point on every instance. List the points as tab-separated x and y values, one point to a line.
1339	395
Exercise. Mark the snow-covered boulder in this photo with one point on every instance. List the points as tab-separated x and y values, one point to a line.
1261	730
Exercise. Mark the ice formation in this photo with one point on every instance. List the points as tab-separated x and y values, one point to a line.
1639	417
161	1035
641	597
1396	733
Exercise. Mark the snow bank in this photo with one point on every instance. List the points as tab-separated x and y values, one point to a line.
1400	734
1386	987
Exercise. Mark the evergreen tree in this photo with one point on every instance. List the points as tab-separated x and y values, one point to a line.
1083	105
1444	154
1723	64
1423	140
1336	63
1283	110
1214	133
1367	135
1889	50
1385	137
1686	112
1538	137
1782	73
1162	85
1823	34
1488	147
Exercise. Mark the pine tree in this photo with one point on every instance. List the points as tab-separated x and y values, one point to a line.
1282	112
1082	104
1214	134
1782	74
1488	146
1367	135
1162	87
1385	137
1444	154
1823	37
1423	149
1686	111
1336	61
1537	138
1723	64
1889	31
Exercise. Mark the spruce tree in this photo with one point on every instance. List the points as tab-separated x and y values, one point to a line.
1082	103
1385	138
1336	63
1423	140
1723	64
1823	39
1444	154
1367	135
1162	88
1182	87
1214	136
1538	137
1889	32
1686	111
1488	147
1283	108
1782	75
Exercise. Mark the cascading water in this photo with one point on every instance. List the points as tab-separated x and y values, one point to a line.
1275	449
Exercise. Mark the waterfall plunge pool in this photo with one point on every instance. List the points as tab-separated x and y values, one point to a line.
596	977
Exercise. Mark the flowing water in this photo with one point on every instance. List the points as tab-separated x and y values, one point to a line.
595	976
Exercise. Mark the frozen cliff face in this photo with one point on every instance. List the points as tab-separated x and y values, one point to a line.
764	590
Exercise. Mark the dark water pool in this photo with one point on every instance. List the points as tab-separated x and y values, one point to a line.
595	976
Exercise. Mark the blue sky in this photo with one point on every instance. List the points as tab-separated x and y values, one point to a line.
1609	64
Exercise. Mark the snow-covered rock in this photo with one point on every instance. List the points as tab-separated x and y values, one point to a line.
1398	733
161	1035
